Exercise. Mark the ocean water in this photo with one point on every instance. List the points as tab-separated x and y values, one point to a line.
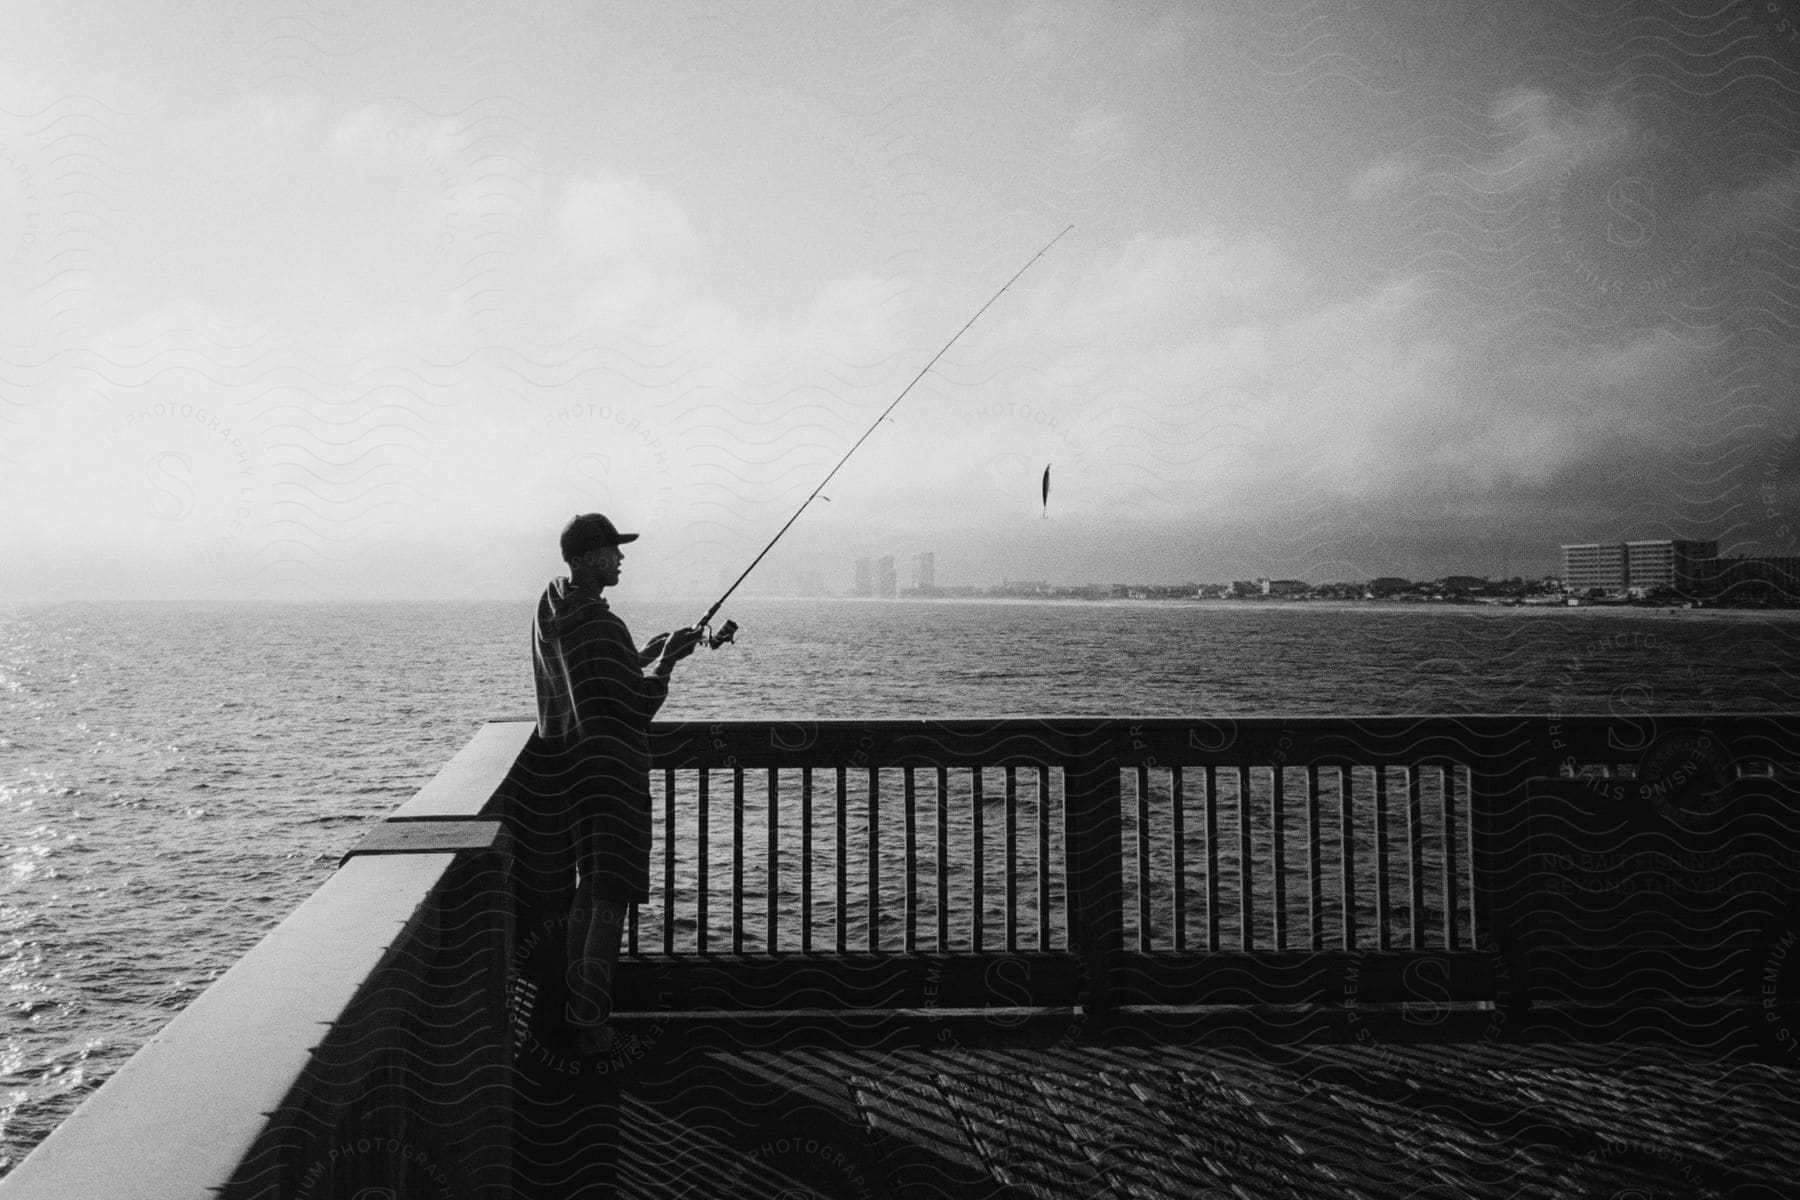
174	779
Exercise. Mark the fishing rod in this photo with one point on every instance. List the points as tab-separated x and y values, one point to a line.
728	630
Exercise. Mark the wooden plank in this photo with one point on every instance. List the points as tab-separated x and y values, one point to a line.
669	839
1177	799
806	859
1278	853
877	743
1093	847
1026	1149
772	868
977	868
737	860
1384	939
1143	858
853	983
1508	742
1212	857
1246	897
1043	858
1129	1143
943	859
1415	858
910	800
1466	860
703	887
1304	977
1012	859
1347	856
1315	899
843	866
1343	740
1452	893
427	837
915	1135
874	905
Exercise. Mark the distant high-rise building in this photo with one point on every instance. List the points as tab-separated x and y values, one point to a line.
1589	565
1618	567
1671	563
885	583
925	572
864	580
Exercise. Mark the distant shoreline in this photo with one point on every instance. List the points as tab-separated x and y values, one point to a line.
631	596
1400	606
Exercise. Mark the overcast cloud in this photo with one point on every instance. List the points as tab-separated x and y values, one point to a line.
308	303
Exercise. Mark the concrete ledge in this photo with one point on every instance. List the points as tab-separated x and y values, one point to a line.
183	1113
468	781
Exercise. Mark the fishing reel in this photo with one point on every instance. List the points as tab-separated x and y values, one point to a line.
727	633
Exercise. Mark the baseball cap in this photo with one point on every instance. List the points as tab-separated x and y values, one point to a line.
590	531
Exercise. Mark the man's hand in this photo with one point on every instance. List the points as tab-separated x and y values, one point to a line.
652	649
675	647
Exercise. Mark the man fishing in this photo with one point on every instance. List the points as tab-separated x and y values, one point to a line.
596	694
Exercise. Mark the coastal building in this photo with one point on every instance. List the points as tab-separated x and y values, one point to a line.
925	573
1762	580
1590	565
1684	564
885	582
1285	587
864	579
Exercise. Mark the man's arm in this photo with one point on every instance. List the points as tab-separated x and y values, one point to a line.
674	647
652	651
611	687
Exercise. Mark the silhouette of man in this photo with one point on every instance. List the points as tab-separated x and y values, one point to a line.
596	694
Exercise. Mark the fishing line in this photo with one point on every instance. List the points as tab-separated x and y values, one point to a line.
728	630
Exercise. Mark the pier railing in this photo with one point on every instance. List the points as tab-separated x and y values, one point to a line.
1050	861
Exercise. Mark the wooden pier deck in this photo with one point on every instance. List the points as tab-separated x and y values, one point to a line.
1219	1107
1241	1119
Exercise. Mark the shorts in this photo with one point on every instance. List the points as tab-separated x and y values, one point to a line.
578	815
614	848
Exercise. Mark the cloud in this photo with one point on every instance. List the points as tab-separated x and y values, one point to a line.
1530	138
377	133
1174	290
1540	137
1769	205
623	222
1051	31
1383	179
1097	129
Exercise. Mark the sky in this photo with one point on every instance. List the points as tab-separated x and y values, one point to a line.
325	301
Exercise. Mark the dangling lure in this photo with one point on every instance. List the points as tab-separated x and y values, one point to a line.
1046	489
